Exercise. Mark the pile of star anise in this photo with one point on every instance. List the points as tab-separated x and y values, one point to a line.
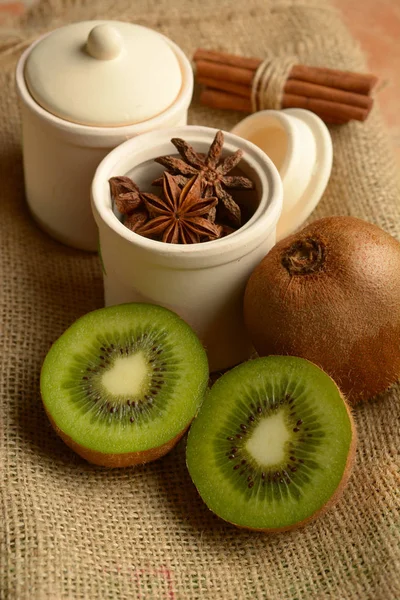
195	205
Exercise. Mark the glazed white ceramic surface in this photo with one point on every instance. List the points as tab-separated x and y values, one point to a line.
299	144
60	157
204	283
103	73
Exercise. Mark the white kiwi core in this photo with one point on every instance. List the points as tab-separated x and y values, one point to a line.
267	443
127	375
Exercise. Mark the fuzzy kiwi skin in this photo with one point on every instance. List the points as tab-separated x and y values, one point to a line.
128	459
340	310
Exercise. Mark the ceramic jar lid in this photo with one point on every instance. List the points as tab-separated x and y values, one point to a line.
299	144
103	73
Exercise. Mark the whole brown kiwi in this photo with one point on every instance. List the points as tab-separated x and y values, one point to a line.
331	294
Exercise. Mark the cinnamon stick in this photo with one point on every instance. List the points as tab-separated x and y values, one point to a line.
311	90
324	108
225	58
332	112
226	86
360	83
224	100
205	68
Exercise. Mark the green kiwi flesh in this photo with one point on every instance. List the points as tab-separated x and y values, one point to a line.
272	444
123	381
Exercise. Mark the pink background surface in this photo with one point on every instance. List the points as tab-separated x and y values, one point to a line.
376	26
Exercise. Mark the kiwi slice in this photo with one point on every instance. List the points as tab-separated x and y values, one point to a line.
272	445
123	383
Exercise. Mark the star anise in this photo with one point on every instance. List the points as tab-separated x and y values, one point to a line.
126	194
129	201
180	217
213	173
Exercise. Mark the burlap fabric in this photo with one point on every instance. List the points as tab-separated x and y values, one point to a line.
75	531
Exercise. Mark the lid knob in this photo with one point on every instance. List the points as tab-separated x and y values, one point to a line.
104	42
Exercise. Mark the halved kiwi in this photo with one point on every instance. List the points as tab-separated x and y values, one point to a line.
272	445
123	383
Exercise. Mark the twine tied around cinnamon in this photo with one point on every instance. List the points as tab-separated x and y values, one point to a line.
269	81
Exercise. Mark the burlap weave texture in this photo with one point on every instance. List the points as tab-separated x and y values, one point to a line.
70	530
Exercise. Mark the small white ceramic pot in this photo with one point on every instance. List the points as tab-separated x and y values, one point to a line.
204	283
299	144
61	145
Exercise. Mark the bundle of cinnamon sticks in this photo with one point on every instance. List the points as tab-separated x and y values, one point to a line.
335	96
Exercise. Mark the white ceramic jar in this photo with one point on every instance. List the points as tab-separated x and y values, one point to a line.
85	88
204	283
